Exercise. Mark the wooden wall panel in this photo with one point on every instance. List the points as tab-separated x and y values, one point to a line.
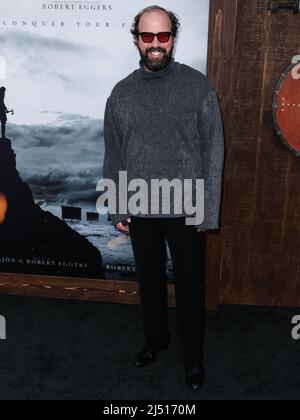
255	258
221	48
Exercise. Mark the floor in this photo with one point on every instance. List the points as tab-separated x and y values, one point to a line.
65	350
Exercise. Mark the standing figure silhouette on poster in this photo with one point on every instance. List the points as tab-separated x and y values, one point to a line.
3	112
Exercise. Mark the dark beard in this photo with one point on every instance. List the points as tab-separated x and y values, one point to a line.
156	64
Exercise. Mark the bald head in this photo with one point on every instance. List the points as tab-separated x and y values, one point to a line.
155	20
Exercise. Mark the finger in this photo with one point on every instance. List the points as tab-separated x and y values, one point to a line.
122	228
125	232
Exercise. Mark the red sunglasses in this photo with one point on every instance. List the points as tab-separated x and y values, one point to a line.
162	37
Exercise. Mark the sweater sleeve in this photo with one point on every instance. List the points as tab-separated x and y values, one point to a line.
112	154
212	141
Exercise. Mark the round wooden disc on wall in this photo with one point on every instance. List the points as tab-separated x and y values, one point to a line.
286	107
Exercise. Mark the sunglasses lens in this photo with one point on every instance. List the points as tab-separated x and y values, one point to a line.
147	38
163	37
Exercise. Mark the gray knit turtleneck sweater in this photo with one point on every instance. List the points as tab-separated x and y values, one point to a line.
164	125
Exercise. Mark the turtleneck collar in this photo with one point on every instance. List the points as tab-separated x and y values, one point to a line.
152	75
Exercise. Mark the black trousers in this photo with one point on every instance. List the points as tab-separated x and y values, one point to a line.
187	250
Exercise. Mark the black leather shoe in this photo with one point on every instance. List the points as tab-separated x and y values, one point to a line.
146	357
195	377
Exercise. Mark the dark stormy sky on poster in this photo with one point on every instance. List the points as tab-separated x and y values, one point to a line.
59	62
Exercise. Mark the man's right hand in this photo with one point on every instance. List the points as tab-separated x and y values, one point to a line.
123	227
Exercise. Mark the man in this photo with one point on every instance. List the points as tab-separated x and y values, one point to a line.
163	121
